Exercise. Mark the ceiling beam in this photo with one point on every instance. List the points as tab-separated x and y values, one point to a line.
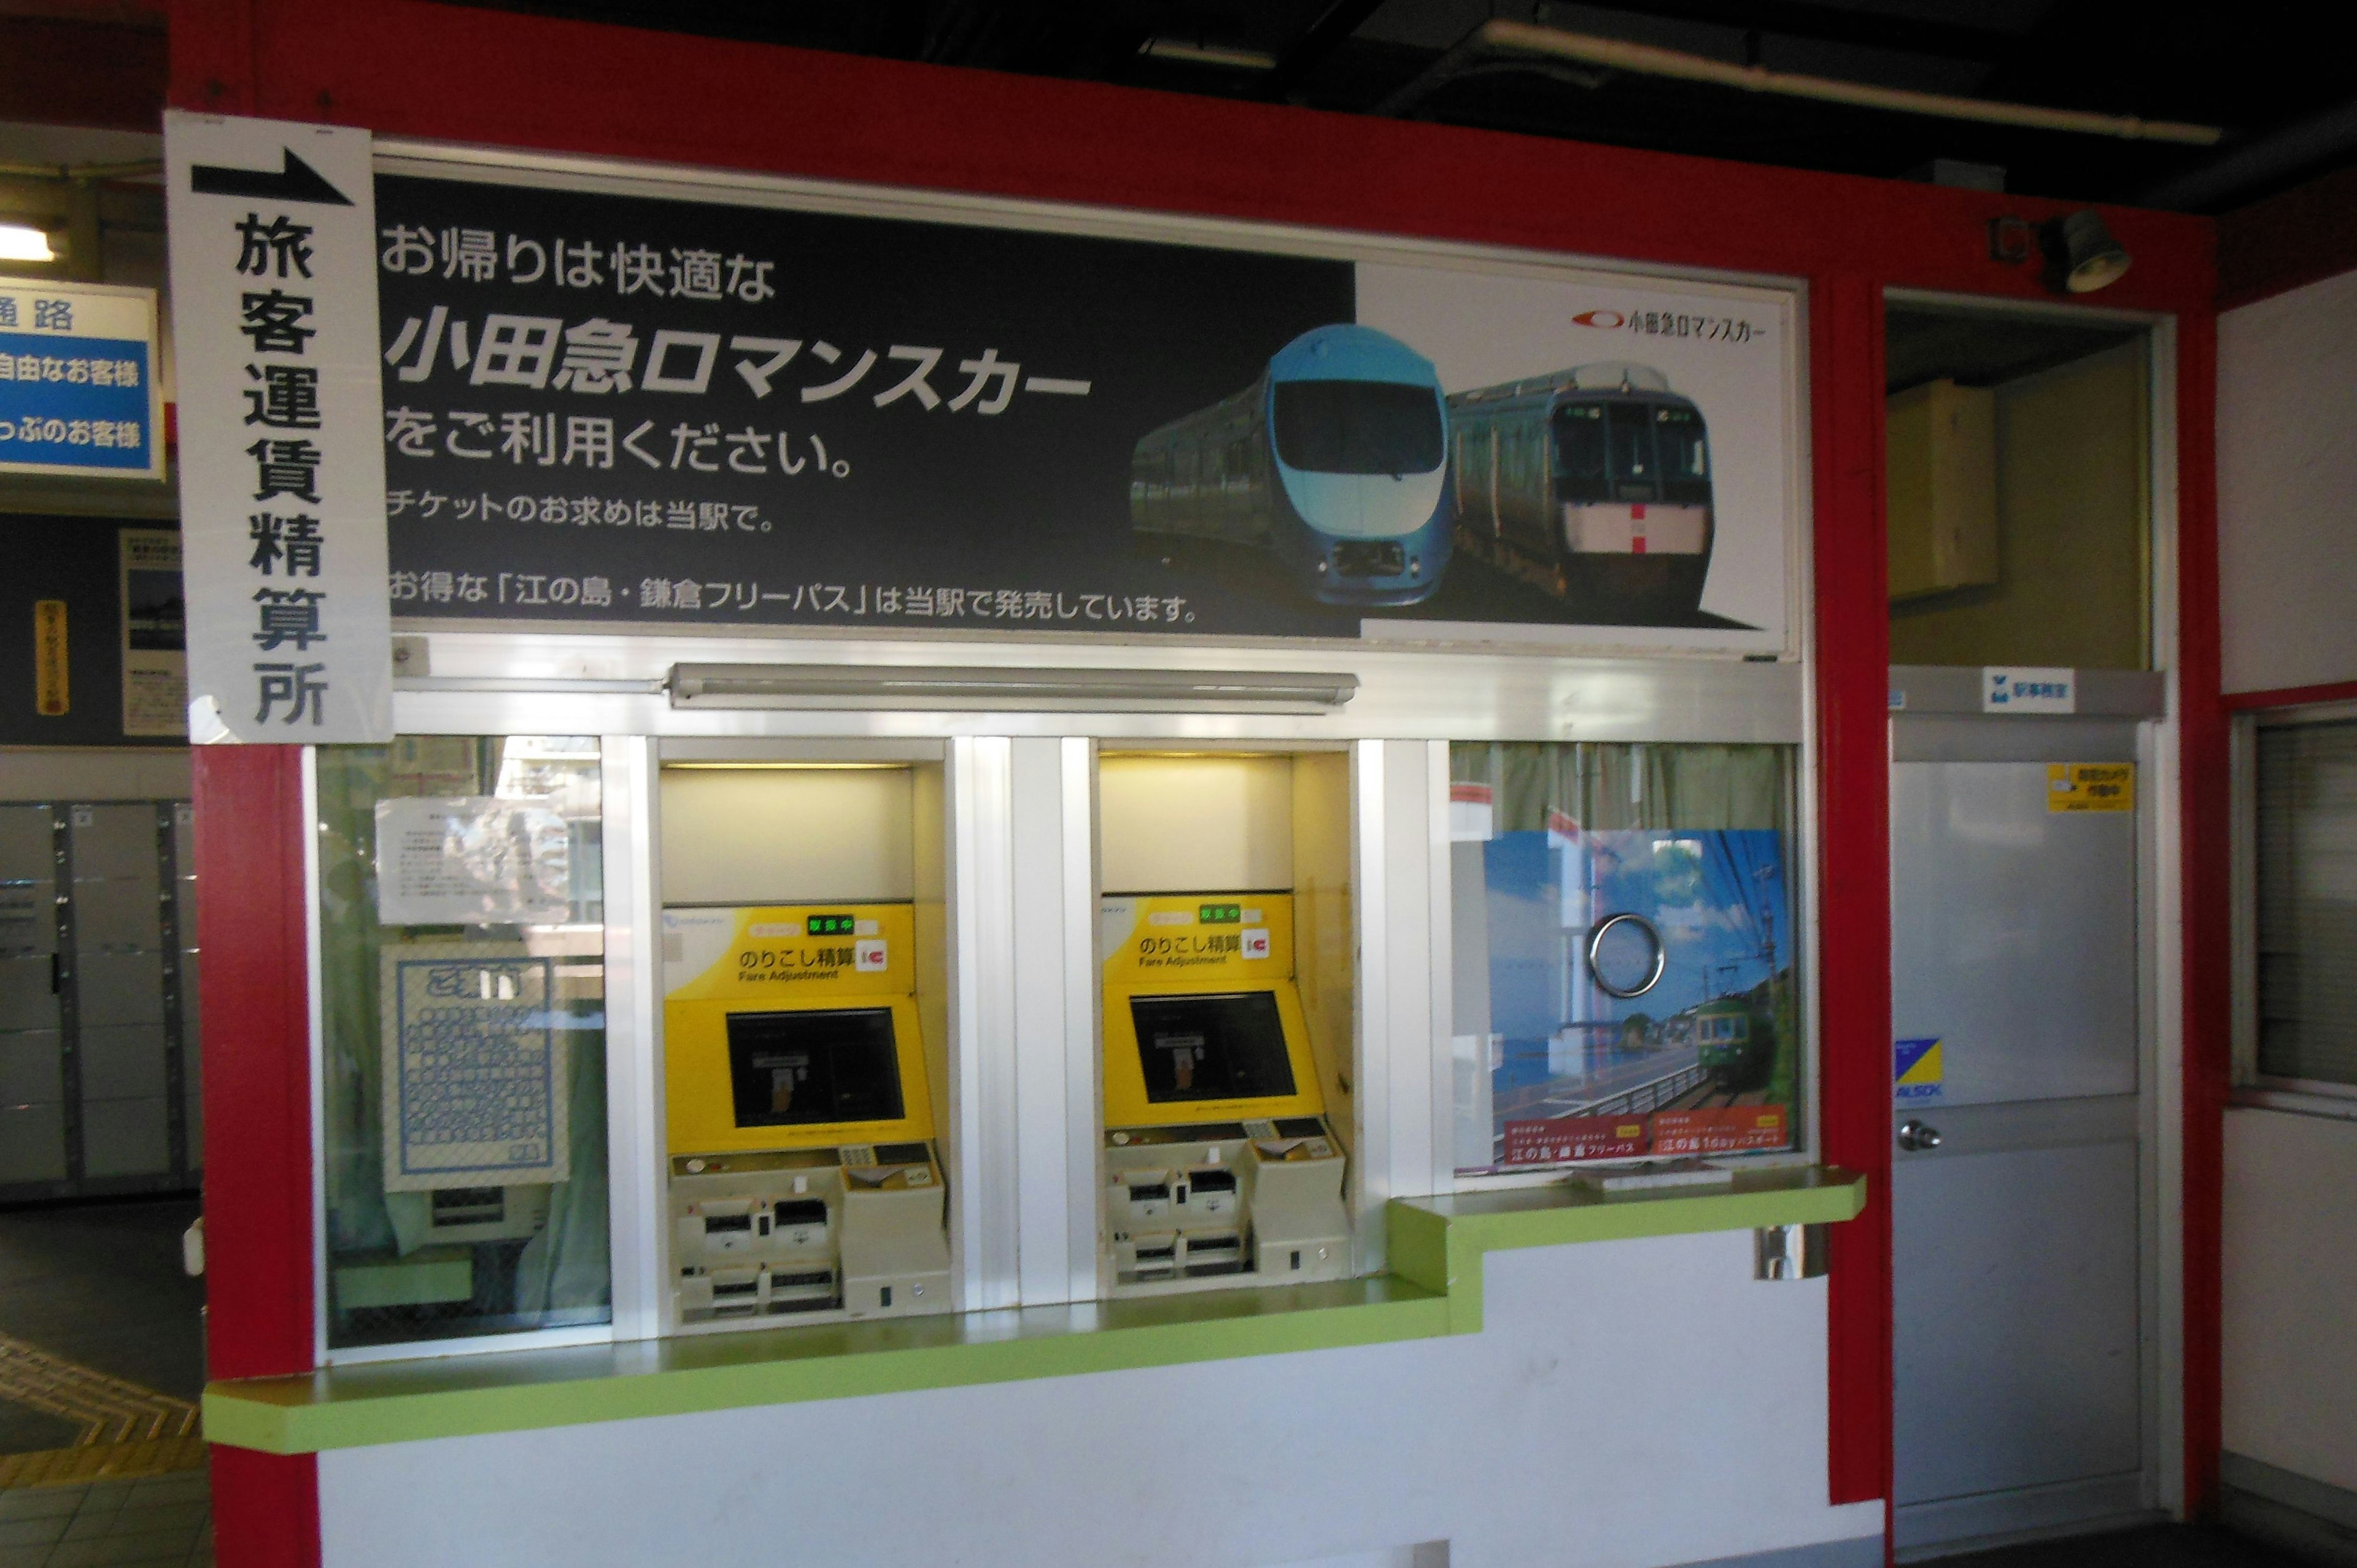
1825	24
1333	27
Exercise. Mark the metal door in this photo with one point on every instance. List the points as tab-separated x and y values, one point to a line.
2016	1181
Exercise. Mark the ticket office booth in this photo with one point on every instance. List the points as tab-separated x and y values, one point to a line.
803	1033
804	1095
757	978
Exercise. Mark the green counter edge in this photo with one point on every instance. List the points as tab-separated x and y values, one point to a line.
1434	1288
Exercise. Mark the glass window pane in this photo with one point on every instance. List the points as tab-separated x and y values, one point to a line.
1634	476
462	946
1685	450
1358	427
1624	951
1582	468
2307	904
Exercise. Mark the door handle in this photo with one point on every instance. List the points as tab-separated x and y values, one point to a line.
1917	1137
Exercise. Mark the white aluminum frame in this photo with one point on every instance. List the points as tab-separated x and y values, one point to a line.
636	1104
619	1066
1053	836
981	1124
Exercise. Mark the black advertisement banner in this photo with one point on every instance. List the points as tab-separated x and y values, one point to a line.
626	409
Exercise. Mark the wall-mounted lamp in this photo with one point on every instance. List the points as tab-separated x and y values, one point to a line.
23	243
2081	254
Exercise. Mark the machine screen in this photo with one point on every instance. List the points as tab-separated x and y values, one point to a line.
791	1069
1211	1048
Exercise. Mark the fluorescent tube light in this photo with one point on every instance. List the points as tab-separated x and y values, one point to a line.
936	688
1224	56
23	243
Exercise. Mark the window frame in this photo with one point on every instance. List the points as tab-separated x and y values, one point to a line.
2248	1086
625	1312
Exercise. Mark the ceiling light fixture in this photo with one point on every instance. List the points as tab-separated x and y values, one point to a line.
1017	689
23	243
1226	56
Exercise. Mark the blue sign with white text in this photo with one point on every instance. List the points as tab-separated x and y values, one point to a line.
77	372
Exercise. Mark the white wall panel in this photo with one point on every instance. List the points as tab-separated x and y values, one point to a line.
2287	487
1604	1417
2290	1355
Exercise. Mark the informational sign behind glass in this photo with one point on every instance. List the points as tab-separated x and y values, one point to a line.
619	409
154	633
472	860
475	1047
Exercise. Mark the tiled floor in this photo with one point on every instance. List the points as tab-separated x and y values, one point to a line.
99	1283
165	1520
96	1289
2155	1546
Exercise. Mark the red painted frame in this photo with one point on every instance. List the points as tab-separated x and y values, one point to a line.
253	929
407	68
2291	696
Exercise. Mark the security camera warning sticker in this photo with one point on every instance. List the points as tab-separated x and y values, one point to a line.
2091	787
1918	1075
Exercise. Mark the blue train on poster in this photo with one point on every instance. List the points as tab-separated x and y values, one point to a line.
1334	461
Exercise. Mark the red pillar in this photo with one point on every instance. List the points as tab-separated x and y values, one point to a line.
257	1090
2206	826
1852	652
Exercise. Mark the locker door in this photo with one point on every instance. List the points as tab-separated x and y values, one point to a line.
32	1044
118	972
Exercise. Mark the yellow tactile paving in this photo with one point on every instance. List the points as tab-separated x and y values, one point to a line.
102	1462
127	1429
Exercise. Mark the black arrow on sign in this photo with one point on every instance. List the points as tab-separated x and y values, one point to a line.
298	181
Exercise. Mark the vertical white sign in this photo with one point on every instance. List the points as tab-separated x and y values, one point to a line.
282	457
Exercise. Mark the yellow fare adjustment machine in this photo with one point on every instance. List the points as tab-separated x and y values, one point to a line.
804	1178
1221	1166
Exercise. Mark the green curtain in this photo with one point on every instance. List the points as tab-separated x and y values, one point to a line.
1607	785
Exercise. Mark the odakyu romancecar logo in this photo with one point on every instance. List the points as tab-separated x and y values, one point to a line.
1607	320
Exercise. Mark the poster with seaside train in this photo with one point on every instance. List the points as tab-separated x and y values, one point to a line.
611	406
